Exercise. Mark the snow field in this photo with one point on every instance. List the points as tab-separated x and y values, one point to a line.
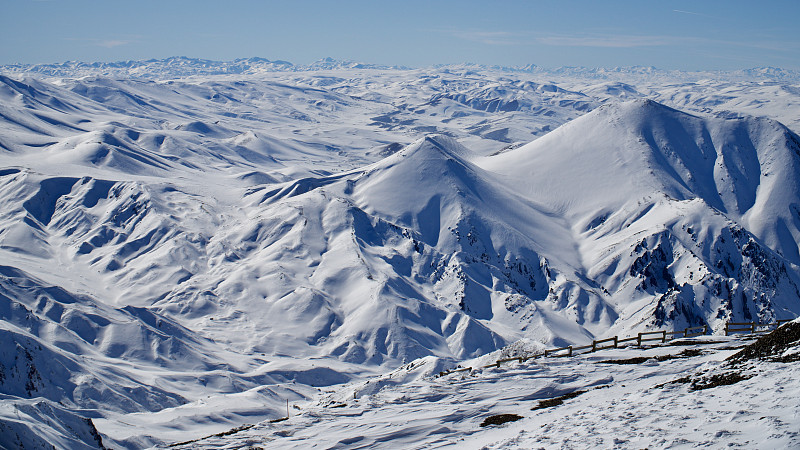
633	405
180	252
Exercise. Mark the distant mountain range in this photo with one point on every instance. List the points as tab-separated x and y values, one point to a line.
181	66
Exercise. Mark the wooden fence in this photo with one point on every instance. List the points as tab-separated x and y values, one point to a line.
647	336
664	336
644	337
752	327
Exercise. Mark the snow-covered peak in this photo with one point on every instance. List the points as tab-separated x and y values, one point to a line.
296	228
633	150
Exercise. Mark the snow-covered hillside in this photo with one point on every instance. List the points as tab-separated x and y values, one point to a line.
724	392
185	248
700	210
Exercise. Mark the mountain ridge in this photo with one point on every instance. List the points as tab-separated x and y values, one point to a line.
307	229
188	66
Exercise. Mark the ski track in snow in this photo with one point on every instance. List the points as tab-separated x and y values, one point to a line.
185	245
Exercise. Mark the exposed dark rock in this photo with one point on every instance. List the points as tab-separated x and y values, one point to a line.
688	353
772	345
718	379
500	419
634	360
652	265
550	402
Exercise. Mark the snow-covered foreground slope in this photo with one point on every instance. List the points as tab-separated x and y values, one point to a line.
696	393
181	256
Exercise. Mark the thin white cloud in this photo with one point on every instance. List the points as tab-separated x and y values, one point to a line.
680	11
686	12
631	41
511	38
488	37
112	43
105	43
609	41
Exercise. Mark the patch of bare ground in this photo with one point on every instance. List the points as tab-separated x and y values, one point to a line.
550	402
717	379
688	353
772	346
500	419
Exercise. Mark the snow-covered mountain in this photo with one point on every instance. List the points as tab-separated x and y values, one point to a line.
179	252
181	66
693	214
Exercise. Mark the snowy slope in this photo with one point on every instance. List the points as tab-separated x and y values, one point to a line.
695	394
182	255
675	201
411	256
68	357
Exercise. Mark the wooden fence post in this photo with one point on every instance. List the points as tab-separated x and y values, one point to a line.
664	336
639	340
616	341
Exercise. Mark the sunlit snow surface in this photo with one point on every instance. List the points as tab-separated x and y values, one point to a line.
186	245
633	405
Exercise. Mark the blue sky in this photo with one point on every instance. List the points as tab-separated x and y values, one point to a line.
689	35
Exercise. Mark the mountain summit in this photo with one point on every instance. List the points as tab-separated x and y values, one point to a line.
679	200
213	245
